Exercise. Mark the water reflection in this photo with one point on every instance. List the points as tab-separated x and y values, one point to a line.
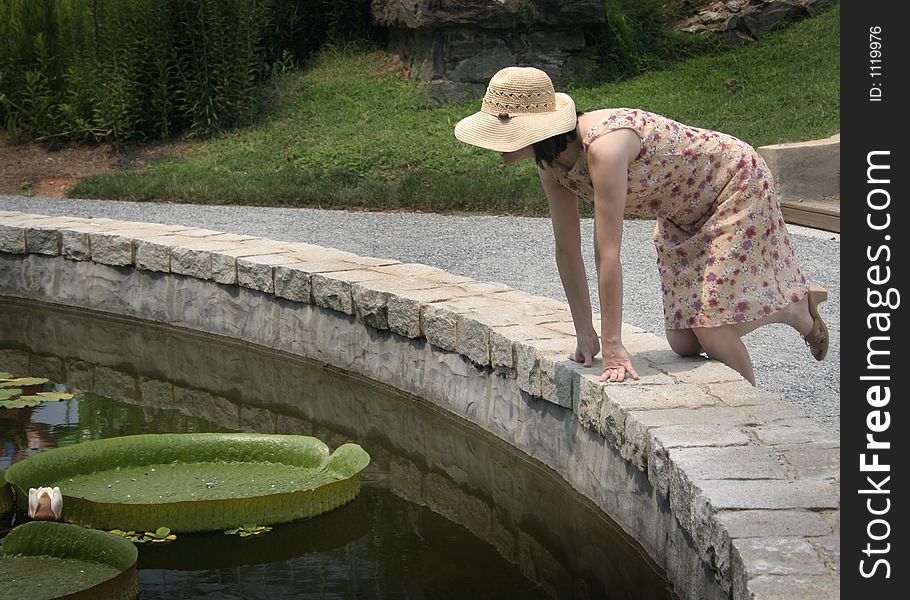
445	511
23	433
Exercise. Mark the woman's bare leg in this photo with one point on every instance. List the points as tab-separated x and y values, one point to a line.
796	315
724	344
684	342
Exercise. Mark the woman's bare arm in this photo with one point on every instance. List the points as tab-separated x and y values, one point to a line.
570	263
608	162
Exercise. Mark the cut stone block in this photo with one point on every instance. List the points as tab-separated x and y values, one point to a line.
439	319
42	240
809	462
735	463
556	371
371	301
257	272
74	240
773	523
293	282
154	254
409	270
195	258
527	362
805	169
111	249
332	289
689	369
656	397
799	430
744	495
503	339
590	408
224	262
404	308
660	440
12	238
774	556
780	587
640	345
741	393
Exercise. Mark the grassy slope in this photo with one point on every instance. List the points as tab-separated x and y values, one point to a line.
353	132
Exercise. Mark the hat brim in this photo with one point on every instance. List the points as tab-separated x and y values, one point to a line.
520	130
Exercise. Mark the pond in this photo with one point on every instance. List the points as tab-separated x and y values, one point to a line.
445	511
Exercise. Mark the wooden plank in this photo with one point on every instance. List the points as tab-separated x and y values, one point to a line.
819	214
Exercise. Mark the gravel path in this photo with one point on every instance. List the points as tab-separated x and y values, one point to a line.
518	252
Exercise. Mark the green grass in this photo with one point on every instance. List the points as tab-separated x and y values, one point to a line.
353	132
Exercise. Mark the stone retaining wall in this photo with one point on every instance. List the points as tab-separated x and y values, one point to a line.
733	491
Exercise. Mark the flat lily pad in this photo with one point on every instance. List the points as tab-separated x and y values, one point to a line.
21	382
54	560
195	482
20	392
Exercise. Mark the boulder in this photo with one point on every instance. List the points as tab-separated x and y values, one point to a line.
455	47
742	21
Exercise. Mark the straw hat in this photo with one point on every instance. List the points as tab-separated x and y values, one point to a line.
519	108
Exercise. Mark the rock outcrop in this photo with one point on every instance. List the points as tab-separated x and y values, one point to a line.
455	46
742	21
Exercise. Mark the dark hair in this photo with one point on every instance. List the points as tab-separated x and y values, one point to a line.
546	151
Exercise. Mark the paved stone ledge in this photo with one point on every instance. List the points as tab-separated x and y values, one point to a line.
752	483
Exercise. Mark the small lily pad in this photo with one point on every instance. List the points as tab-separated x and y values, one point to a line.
11	391
248	530
19	403
160	535
48	396
23	382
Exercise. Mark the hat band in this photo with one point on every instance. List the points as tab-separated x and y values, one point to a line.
497	101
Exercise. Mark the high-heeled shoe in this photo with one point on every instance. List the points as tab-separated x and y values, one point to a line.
817	338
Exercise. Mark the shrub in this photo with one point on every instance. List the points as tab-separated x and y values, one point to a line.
111	70
635	38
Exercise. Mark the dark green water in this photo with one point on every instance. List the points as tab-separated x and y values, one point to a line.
445	511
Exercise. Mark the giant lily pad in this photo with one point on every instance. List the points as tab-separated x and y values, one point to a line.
194	482
56	560
6	494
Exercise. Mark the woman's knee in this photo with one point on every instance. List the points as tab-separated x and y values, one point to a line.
683	342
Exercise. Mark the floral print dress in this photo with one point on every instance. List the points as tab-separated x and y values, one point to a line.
723	251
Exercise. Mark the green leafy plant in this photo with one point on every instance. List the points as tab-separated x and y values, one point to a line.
248	529
27	189
113	70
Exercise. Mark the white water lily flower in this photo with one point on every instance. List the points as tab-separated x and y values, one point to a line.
45	504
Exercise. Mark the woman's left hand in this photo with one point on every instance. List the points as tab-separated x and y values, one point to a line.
616	364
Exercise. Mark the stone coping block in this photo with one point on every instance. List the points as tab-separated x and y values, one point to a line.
805	170
752	480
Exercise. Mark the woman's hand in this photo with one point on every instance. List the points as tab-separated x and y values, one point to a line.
617	364
586	348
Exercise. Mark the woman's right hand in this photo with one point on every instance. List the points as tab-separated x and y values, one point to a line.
586	348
